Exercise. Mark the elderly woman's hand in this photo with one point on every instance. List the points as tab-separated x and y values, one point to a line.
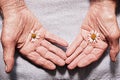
99	29
22	30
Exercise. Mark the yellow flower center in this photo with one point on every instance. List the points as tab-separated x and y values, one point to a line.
33	35
93	36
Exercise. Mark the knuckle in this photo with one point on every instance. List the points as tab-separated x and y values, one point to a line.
7	40
51	48
40	61
46	63
33	57
6	59
57	51
115	36
115	51
46	55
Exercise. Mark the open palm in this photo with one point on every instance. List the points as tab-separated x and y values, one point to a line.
82	52
22	30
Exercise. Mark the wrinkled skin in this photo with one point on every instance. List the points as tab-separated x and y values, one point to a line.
101	18
17	24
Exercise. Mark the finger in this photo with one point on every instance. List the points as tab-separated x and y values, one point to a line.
114	49
74	63
50	56
114	42
40	61
74	45
54	49
77	52
99	47
55	39
8	55
92	57
8	43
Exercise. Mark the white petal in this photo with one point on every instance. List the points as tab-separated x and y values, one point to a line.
98	37
33	40
88	39
37	36
92	32
94	42
32	31
95	32
89	35
91	40
36	32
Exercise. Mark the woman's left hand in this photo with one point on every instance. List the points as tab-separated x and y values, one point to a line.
99	29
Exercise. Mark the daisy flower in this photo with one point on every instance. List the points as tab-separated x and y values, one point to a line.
93	36
34	35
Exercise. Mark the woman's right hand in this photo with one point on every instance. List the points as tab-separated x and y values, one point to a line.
21	29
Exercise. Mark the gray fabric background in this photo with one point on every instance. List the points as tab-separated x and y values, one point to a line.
63	18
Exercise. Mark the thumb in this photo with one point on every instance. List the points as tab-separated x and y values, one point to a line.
114	48
8	54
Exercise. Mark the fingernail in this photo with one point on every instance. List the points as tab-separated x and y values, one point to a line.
70	67
67	61
114	59
65	57
53	67
61	62
80	65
